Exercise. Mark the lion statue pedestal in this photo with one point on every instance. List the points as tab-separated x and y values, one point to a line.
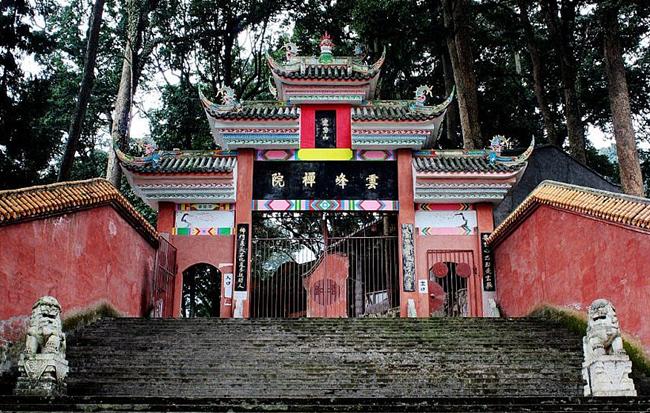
606	367
42	367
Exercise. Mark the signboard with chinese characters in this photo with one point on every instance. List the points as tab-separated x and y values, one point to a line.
341	180
325	132
488	264
241	269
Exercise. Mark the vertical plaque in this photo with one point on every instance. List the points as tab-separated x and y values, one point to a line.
242	257
325	133
408	257
488	263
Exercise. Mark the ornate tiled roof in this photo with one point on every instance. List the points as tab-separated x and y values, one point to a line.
618	208
254	110
394	111
374	111
326	72
56	199
182	162
458	162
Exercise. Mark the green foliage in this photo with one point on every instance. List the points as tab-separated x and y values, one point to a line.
150	214
180	121
201	42
601	164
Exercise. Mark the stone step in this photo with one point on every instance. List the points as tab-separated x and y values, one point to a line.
293	405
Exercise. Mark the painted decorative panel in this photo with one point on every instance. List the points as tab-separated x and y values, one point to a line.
446	222
324	205
204	219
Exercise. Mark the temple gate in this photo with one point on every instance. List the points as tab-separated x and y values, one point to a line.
286	208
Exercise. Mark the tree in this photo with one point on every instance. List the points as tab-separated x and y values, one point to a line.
537	64
619	100
26	141
560	23
132	66
85	89
457	17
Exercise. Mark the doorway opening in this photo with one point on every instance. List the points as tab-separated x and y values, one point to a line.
450	275
308	264
201	291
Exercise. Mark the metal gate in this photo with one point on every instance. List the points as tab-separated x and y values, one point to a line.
163	280
324	277
450	275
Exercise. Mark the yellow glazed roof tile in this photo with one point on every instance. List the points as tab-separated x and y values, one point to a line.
609	206
42	201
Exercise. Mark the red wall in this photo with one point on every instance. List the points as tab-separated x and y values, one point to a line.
80	258
559	258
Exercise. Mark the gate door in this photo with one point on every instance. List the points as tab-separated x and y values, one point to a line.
163	280
352	276
450	275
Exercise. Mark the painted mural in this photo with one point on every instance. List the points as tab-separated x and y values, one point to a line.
451	222
204	219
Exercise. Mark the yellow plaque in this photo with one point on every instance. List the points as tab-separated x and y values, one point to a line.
326	154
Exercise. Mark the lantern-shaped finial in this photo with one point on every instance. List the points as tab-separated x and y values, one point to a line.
326	46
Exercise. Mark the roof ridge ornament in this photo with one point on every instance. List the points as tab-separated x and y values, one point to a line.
326	46
379	63
418	105
498	143
273	89
229	101
291	51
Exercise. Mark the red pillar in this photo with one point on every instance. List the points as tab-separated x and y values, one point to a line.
244	214
485	222
406	217
166	217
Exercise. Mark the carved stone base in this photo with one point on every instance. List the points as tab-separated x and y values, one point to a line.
42	375
608	375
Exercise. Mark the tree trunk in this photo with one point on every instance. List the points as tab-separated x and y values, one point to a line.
456	17
74	133
452	110
619	101
128	82
538	77
560	31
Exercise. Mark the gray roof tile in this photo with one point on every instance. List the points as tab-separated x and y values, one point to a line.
188	162
460	163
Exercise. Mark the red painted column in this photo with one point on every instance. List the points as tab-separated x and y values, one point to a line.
244	214
406	216
485	222
166	217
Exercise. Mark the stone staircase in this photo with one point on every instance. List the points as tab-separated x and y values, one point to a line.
444	364
325	358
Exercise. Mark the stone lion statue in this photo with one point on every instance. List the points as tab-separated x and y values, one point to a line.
603	331
45	333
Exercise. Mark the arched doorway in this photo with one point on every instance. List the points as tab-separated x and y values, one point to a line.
201	291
